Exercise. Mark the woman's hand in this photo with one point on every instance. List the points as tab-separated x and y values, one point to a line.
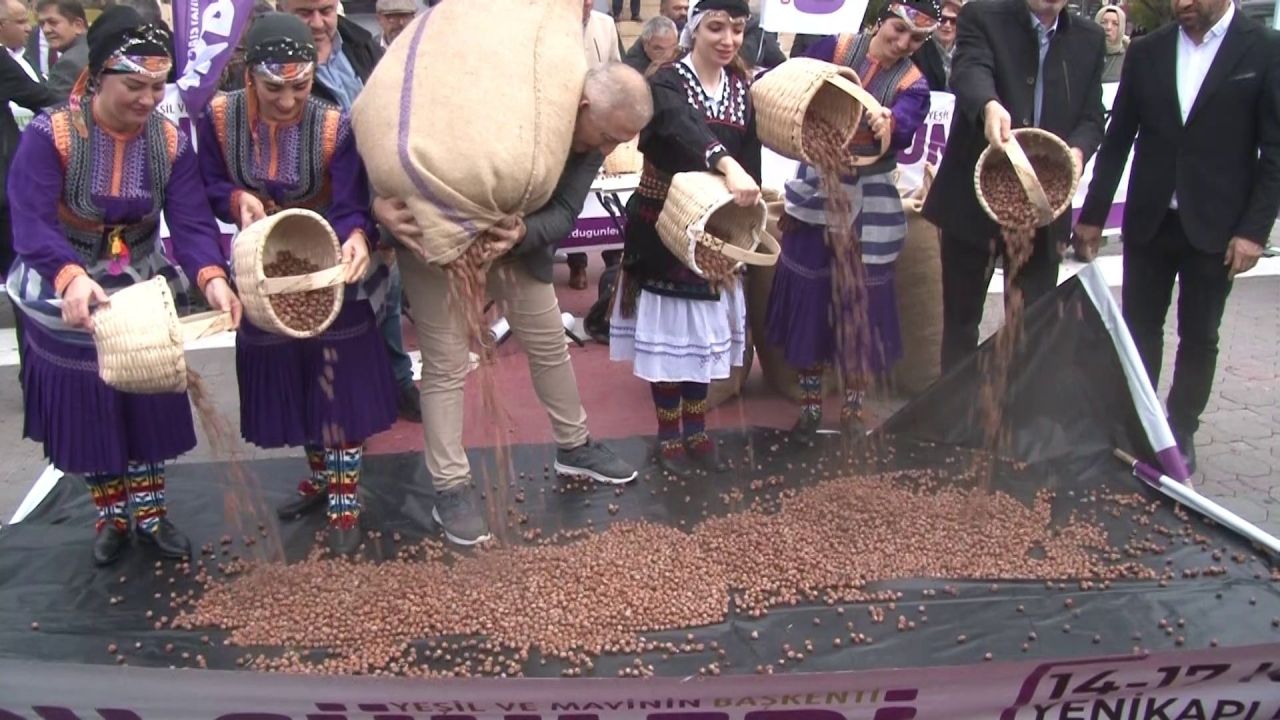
746	192
220	297
250	209
77	302
504	236
395	215
881	123
355	253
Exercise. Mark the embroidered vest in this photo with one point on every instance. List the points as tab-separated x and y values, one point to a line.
317	141
884	85
81	218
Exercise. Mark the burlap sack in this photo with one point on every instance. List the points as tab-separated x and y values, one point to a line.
919	286
464	138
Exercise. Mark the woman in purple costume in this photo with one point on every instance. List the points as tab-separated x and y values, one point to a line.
274	146
801	306
96	174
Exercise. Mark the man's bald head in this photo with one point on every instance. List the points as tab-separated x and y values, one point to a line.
615	107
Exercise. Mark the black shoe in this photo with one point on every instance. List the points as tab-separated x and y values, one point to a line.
344	541
805	431
301	505
852	425
109	544
678	465
168	540
704	456
409	405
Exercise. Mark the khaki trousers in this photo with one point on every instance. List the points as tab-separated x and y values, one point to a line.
532	309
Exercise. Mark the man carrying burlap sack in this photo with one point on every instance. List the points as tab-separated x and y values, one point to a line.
615	106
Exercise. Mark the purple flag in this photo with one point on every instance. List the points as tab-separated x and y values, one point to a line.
205	34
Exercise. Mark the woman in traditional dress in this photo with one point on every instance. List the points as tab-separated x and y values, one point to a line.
680	332
801	316
95	175
273	146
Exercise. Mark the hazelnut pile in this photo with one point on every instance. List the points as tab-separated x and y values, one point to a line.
600	592
1007	198
303	311
822	142
716	267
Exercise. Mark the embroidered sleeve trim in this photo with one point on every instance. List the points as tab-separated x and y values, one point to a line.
208	274
712	150
69	272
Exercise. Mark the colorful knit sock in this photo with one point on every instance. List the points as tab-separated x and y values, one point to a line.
811	392
695	417
319	480
146	494
666	399
344	479
852	404
109	497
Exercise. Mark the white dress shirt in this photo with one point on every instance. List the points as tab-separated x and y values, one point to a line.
1194	62
20	57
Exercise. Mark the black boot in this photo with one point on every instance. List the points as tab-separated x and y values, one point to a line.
344	541
805	431
109	544
168	540
704	455
676	463
301	505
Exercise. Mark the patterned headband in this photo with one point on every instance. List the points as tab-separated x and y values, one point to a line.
152	67
278	72
921	22
281	51
143	51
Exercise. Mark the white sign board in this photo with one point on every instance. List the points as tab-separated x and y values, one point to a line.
814	17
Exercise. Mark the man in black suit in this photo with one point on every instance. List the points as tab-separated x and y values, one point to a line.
1018	63
1202	97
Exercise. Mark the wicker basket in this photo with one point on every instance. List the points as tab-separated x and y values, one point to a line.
1024	144
139	339
698	203
786	95
307	236
625	159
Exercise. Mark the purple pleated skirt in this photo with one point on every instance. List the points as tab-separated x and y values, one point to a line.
87	426
800	315
328	390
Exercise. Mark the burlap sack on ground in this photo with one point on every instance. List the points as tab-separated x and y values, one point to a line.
919	284
466	140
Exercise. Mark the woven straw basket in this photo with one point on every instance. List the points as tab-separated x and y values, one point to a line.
625	159
1024	144
699	202
307	236
139	339
803	88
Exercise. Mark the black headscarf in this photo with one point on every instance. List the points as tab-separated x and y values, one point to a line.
735	8
279	38
120	27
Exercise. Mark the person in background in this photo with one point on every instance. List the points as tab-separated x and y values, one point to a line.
601	43
1113	22
233	75
802	314
283	401
1018	63
1204	187
760	48
677	11
934	57
678	331
635	10
97	173
345	55
615	105
15	29
659	44
64	26
393	16
39	54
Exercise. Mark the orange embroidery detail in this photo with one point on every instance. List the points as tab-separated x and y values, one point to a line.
69	272
117	167
332	122
218	112
60	122
909	78
208	274
273	164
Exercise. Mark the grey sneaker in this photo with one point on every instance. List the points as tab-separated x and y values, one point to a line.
460	516
594	461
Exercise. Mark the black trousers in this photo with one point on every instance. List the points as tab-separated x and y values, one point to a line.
967	268
1150	270
579	259
635	8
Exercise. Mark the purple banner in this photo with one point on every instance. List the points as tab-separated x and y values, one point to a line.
205	33
594	233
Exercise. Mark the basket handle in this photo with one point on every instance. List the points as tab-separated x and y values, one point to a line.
1027	176
753	257
319	280
857	92
204	324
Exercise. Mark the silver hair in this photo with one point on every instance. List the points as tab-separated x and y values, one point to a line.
615	87
657	25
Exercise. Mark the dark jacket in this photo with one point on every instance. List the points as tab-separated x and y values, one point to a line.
362	51
32	51
636	57
16	86
996	58
929	59
1224	163
760	48
548	226
65	72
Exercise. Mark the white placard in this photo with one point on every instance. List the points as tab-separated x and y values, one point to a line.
814	17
